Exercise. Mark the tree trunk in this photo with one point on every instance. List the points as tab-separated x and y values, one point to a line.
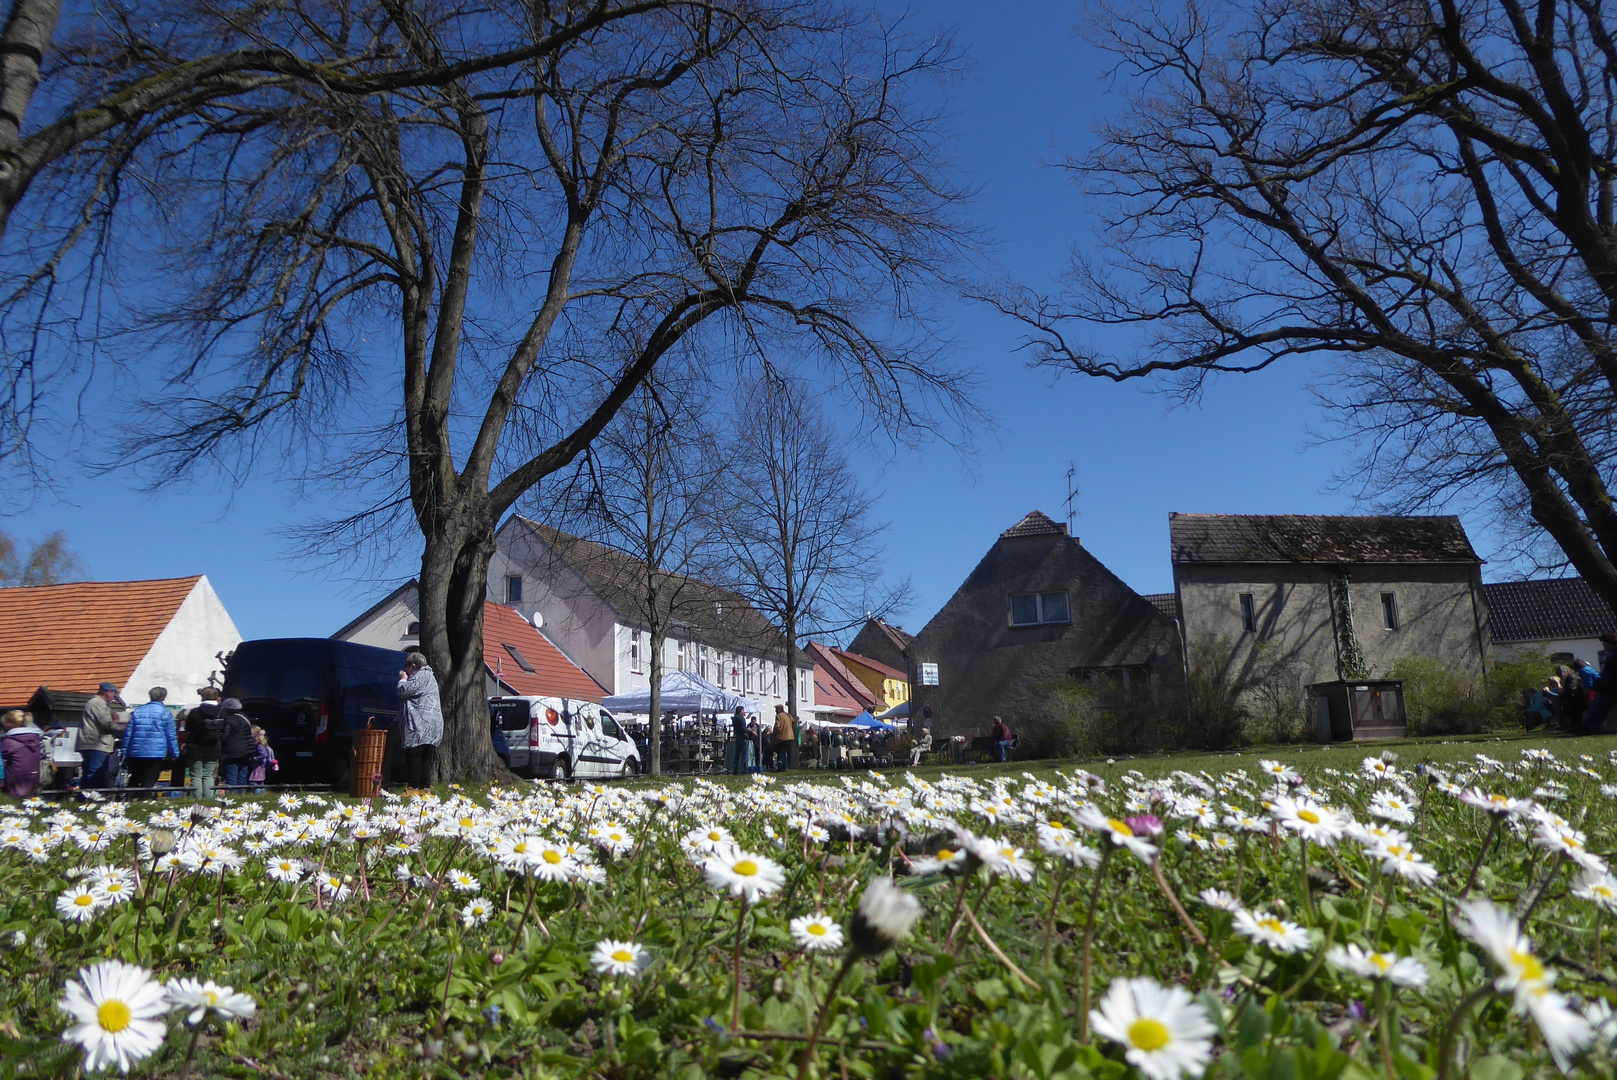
654	742
27	35
453	585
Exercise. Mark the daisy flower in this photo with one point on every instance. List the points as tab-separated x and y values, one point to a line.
79	904
619	958
550	862
1404	861
333	888
1309	820
886	915
708	838
1163	1031
1398	970
284	869
1006	859
817	933
476	912
1280	774
946	860
1121	833
1266	929
462	881
119	1012
1599	887
1223	901
743	874
1502	805
1497	931
203	997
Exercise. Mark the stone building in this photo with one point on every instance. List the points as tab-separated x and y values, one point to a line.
1329	597
1036	609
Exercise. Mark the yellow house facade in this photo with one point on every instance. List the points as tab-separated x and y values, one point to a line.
890	686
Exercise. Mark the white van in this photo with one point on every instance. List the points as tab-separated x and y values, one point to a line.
558	738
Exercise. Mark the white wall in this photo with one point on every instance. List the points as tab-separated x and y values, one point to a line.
389	627
184	654
1583	648
574	618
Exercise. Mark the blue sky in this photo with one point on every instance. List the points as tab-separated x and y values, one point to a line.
1031	95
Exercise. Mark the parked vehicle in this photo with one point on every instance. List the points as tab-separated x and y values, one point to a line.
310	695
558	738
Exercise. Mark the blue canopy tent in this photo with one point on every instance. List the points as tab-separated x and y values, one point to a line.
865	720
682	692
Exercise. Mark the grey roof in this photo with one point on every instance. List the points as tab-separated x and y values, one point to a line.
1545	610
1165	602
1037	523
1317	538
710	614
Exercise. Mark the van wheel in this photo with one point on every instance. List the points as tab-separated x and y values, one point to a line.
556	770
631	767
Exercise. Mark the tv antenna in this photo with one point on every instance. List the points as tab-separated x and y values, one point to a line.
1072	494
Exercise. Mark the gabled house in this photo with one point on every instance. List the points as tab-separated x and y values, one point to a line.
888	685
59	642
883	642
1329	597
517	658
1037	608
1559	617
586	596
837	688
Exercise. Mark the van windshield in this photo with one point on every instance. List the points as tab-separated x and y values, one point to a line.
289	672
510	715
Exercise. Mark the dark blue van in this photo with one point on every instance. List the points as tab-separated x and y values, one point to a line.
309	695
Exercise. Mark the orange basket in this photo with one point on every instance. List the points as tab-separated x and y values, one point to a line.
365	764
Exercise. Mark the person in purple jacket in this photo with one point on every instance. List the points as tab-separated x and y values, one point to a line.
22	746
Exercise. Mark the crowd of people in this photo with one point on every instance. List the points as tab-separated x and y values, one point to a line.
1578	697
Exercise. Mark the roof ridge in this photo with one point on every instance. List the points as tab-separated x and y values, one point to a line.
82	584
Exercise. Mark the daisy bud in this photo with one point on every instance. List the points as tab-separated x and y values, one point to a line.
885	917
1147	825
162	842
496	958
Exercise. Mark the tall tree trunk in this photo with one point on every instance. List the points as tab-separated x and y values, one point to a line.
453	585
29	26
654	749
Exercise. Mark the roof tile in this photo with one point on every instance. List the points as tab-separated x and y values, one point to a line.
1545	610
73	637
553	675
1317	538
1037	523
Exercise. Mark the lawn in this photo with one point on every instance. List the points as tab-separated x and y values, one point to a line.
1298	913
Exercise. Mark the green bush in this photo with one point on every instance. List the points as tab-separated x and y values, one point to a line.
1442	701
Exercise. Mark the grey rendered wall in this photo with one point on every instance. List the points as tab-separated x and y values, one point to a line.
1440	614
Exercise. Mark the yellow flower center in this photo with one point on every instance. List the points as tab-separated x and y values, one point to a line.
715	837
1531	969
1379	962
552	857
212	996
1273	925
746	868
1057	825
817	929
944	855
1149	1034
84	900
113	1016
622	956
1120	826
1308	816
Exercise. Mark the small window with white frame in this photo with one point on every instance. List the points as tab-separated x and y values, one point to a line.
1249	614
1389	611
635	658
513	589
1040	609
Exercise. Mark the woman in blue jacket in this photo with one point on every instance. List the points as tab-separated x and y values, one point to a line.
150	740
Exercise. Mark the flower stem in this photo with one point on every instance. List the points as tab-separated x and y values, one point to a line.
1050	919
1386	1038
1471	878
1173	898
1089	943
1308	890
190	1052
741	921
1445	1050
1549	879
825	1011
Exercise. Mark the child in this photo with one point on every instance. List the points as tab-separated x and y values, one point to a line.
22	747
262	761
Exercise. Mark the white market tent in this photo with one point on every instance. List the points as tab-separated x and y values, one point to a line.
682	692
901	711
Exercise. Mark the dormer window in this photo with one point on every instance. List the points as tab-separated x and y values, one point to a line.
413	630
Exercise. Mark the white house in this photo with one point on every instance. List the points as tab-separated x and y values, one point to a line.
585	597
135	634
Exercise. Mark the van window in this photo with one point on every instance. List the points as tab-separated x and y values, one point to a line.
511	715
610	728
282	671
368	685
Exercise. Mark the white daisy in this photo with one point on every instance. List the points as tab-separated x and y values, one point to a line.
476	912
1164	1032
79	904
1121	833
1223	901
1389	967
743	874
203	997
119	1012
885	916
619	958
1599	887
285	869
817	933
1266	929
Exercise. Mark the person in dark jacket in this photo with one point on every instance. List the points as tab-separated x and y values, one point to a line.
203	729
236	744
1002	738
1605	687
150	740
742	738
22	747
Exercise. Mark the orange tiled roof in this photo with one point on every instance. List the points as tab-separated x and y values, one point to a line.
553	675
874	665
73	637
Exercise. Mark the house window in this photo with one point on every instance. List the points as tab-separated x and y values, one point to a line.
516	654
682	652
513	589
1389	611
1032	609
751	667
1249	614
704	668
774	679
634	652
413	630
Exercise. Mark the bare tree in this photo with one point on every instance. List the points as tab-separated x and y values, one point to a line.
646	488
797	524
48	562
86	94
1422	190
495	248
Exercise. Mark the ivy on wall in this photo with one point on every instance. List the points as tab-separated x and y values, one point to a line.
1350	661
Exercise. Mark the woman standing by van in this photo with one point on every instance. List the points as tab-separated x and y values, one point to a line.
422	720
